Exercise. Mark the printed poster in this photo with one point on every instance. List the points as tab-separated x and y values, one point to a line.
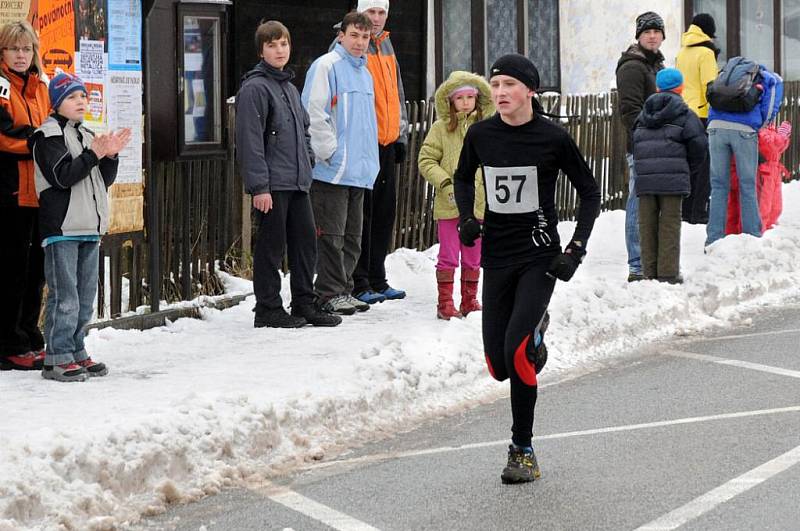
124	98
14	10
91	67
124	35
57	35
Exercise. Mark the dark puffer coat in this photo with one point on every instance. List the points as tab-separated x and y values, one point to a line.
669	145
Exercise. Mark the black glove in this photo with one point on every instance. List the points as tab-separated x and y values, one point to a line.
469	230
565	264
399	152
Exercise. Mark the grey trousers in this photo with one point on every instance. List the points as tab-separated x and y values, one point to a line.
660	235
338	214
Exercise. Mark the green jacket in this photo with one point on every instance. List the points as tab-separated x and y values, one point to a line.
438	156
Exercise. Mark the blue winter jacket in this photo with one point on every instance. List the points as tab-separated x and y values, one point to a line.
764	112
339	97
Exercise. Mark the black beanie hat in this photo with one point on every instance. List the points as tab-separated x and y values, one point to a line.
647	21
517	66
705	22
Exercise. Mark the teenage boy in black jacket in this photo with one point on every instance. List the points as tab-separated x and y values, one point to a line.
275	156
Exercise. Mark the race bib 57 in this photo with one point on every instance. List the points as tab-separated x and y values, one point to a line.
512	190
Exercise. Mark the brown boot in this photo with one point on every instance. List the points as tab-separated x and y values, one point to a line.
469	291
446	309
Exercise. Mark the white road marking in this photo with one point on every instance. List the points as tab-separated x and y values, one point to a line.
319	512
723	493
741	336
735	363
563	435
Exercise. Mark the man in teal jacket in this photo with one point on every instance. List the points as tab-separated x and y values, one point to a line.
339	97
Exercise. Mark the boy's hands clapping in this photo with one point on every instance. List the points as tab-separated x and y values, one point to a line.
110	144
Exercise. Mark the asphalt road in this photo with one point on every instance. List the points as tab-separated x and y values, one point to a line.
698	433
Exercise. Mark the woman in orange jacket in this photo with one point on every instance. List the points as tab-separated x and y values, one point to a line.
24	105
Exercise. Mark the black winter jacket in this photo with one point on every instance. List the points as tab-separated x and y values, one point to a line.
273	145
669	145
636	81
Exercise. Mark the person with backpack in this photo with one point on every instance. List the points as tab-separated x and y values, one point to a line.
744	97
669	145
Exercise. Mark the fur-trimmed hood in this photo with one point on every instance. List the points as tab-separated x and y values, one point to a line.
457	79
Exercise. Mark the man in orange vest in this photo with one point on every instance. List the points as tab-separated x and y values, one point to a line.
369	278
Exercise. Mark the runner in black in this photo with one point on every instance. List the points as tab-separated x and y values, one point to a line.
521	152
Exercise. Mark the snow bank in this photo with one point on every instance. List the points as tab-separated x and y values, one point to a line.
199	405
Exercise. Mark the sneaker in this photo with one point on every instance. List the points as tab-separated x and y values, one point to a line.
392	294
538	355
276	318
635	277
30	361
315	316
339	305
370	297
360	306
93	368
522	466
67	372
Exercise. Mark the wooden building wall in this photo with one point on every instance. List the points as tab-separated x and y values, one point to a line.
311	24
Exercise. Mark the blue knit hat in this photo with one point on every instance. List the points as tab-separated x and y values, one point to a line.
62	86
668	79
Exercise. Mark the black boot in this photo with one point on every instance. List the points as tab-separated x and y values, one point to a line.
276	318
314	316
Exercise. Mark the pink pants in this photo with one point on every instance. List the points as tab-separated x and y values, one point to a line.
450	247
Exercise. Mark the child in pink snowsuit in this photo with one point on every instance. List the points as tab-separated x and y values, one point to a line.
460	101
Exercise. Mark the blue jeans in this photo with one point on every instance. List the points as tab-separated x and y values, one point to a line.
71	269
722	144
632	222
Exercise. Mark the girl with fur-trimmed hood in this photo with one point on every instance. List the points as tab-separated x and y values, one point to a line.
463	99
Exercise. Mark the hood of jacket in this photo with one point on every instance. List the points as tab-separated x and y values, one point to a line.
459	78
694	36
264	69
662	108
637	53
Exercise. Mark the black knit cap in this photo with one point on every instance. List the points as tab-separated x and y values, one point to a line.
647	21
705	22
516	66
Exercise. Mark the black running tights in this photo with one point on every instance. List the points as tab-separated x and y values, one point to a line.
514	302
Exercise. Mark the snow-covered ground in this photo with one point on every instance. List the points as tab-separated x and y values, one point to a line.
198	405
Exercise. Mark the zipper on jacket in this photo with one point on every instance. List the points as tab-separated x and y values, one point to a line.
27	105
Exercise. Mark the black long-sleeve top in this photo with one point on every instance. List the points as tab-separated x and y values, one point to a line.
520	220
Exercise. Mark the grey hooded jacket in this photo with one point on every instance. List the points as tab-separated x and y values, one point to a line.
273	145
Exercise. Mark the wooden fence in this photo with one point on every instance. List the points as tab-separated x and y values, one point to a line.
203	218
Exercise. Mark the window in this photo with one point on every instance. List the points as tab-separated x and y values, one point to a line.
757	31
457	41
543	41
200	86
791	39
471	34
718	10
501	29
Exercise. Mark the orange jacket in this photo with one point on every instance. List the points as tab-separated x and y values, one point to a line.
390	99
24	105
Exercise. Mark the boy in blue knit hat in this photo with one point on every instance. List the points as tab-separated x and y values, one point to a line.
669	146
74	168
